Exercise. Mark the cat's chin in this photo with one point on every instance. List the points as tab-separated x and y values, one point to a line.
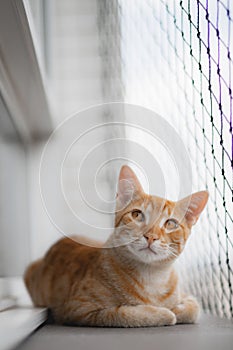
149	256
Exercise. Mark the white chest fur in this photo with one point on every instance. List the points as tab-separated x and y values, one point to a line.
160	289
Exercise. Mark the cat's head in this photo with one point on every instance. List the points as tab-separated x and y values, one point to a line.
152	229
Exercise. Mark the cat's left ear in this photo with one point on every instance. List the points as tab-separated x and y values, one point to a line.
194	205
128	187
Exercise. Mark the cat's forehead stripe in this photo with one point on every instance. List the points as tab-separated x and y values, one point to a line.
163	216
148	213
166	212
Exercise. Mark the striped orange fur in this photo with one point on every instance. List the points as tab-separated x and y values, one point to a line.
129	281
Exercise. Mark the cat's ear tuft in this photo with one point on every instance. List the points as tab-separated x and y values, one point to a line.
194	205
128	186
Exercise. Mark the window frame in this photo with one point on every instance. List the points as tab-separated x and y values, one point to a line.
24	90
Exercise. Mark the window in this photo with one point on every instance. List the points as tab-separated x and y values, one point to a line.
24	118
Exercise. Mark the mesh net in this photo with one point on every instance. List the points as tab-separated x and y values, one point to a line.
175	57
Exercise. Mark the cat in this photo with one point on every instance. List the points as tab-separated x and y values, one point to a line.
130	280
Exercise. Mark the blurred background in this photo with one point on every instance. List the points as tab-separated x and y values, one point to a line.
58	58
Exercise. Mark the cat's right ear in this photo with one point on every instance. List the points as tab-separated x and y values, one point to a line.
194	205
128	187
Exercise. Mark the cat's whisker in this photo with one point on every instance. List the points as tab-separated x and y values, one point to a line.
172	244
173	248
172	253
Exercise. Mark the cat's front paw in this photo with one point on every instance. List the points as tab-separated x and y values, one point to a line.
188	311
166	317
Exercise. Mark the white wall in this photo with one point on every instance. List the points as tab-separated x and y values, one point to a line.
75	83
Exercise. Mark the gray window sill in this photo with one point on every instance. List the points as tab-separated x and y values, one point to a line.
17	323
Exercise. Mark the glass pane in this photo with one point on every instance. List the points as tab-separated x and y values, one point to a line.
13	199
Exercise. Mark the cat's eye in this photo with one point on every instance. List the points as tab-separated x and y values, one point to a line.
137	215
171	224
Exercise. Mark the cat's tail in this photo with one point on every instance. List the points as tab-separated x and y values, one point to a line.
32	280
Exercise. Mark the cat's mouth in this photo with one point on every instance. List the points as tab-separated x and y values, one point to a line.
148	249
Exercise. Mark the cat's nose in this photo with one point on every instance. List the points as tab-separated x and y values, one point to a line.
151	237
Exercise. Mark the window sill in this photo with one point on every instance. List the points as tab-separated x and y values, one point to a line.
17	323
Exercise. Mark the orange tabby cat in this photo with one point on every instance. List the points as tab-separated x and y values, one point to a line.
129	281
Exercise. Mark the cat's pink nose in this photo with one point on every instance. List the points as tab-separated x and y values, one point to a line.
151	237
